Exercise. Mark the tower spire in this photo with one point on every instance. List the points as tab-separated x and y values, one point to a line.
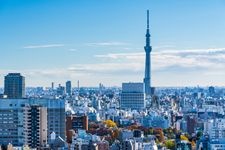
147	19
148	49
147	31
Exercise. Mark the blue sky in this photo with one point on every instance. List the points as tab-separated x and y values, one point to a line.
102	41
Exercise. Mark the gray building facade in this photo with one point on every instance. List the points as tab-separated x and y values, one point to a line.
132	96
12	119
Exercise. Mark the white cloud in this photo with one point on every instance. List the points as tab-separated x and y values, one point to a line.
173	68
43	77
107	68
121	55
43	46
106	44
193	58
194	51
72	50
164	46
88	77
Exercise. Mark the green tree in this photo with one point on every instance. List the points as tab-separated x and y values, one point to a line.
199	134
170	144
151	131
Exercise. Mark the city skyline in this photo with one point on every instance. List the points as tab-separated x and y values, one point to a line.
58	41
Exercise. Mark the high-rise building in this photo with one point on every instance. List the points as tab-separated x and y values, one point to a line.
60	90
35	126
68	88
75	122
13	118
14	86
52	86
191	124
211	91
132	96
148	49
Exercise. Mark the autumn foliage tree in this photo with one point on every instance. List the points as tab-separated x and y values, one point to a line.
109	123
115	134
184	138
159	134
193	143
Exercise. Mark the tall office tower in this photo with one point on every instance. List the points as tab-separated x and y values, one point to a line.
148	49
52	85
35	126
132	96
78	85
14	86
68	88
60	90
13	120
211	91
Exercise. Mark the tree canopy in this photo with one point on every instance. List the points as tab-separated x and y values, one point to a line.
110	123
